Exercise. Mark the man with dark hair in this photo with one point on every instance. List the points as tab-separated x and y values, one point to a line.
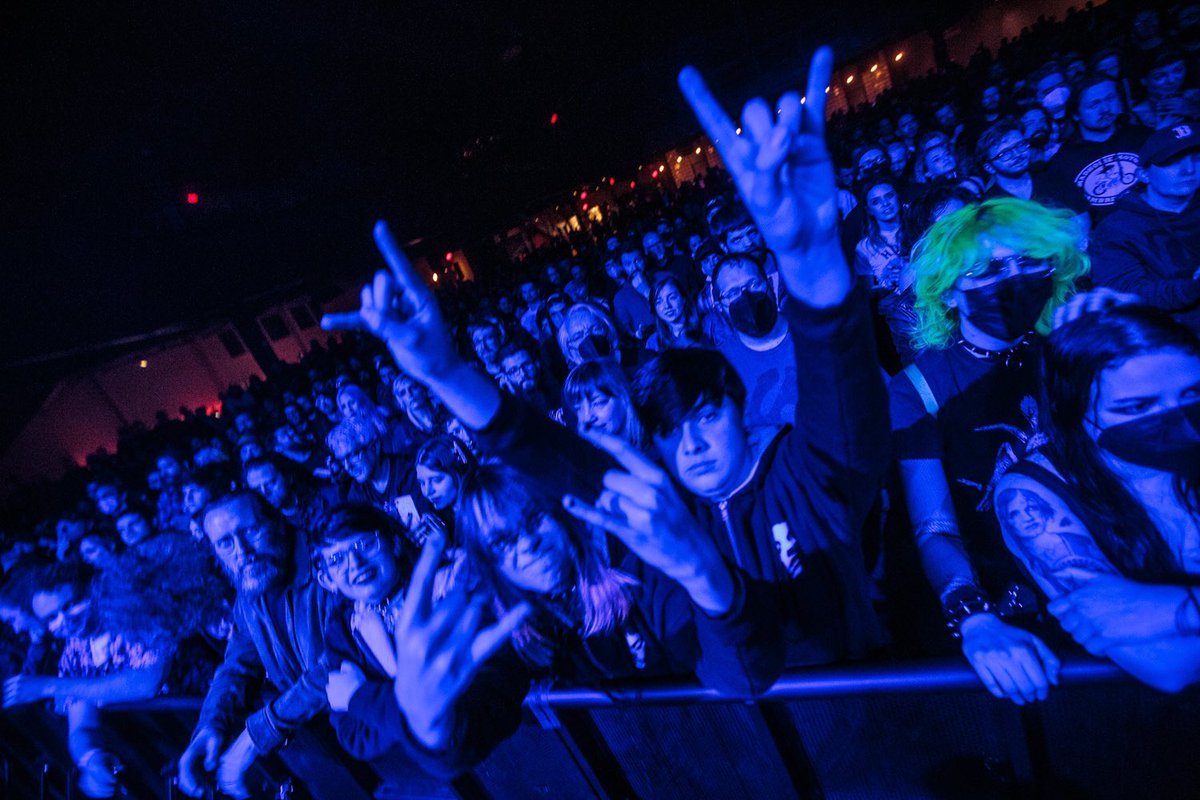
1150	245
1089	173
663	257
1006	155
760	347
301	502
790	510
631	304
736	231
522	374
279	619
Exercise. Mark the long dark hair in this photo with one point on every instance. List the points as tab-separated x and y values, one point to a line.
1075	356
496	504
691	317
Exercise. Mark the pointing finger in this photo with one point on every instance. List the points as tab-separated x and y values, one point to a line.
820	73
712	117
402	270
630	458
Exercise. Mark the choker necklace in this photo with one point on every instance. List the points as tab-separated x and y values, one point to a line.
384	610
1011	356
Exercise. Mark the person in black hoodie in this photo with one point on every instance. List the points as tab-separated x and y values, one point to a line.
810	490
1150	245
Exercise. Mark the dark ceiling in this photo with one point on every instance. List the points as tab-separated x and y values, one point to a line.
297	123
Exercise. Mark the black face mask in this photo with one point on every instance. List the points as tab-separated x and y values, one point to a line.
1009	308
753	313
595	346
1167	441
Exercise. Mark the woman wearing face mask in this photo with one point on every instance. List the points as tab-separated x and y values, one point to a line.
1106	517
988	279
586	334
676	321
598	393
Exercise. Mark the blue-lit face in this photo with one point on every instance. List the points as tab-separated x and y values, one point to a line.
708	452
360	568
537	561
133	528
1143	385
438	487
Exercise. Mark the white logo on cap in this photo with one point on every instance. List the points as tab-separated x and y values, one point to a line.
1182	131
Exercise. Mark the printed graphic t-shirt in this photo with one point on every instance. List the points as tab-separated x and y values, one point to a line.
1090	176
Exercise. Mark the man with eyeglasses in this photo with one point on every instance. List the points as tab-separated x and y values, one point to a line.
385	480
1007	156
760	348
521	373
279	620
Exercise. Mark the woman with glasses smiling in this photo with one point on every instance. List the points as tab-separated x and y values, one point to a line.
988	280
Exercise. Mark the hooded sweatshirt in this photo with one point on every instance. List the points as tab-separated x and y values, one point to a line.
1152	254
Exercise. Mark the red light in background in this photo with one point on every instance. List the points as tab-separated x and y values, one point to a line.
583	195
193	198
554	118
612	181
449	256
633	184
585	206
654	174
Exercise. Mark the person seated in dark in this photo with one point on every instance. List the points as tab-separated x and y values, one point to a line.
419	414
169	514
201	486
882	254
631	304
1150	245
988	279
300	501
1169	99
109	496
279	618
386	481
663	257
289	443
1104	516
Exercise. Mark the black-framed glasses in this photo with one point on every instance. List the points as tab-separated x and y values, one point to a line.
1017	150
366	546
756	285
998	267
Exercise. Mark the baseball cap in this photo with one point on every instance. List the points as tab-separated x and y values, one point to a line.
1164	145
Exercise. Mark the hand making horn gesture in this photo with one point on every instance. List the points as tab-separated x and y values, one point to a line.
642	508
785	176
441	647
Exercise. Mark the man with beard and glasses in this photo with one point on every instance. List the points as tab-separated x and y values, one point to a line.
761	348
279	619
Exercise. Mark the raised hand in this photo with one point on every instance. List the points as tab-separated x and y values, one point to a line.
342	685
399	308
440	648
1097	300
784	174
643	509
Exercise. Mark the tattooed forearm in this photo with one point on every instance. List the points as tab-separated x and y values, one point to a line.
1051	541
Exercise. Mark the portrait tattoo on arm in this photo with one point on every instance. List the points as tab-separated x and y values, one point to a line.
1048	538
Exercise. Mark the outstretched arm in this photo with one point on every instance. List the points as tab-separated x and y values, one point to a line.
398	308
784	174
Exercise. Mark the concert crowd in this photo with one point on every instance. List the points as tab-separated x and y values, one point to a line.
932	388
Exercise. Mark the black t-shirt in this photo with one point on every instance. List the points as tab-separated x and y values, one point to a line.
983	406
1090	176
